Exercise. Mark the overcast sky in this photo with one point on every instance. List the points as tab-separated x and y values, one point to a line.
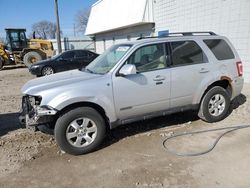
23	13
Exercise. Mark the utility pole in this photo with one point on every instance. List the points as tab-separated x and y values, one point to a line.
74	30
58	36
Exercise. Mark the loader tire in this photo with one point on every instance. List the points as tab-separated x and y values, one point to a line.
1	63
30	58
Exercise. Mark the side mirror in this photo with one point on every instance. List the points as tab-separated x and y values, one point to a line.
127	69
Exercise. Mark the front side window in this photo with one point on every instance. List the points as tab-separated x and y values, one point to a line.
186	52
17	40
14	36
106	61
148	58
220	49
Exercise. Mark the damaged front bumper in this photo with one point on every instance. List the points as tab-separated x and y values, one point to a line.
32	114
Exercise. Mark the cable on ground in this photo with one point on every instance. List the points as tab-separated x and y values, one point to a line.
231	129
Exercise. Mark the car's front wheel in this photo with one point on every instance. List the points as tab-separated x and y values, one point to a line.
80	130
47	71
214	105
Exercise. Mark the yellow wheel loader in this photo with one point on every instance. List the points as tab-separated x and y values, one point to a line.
19	49
4	58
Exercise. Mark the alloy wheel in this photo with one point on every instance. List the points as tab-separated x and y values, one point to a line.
81	132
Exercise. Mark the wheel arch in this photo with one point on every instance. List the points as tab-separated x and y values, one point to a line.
95	106
224	82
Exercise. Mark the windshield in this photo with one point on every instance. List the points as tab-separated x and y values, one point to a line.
106	61
55	56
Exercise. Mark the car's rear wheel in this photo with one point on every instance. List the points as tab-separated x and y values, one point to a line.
47	71
80	130
215	104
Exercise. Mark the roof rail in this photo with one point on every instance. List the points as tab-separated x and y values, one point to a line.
192	33
140	38
182	34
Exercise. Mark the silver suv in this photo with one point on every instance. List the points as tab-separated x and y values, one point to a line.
135	81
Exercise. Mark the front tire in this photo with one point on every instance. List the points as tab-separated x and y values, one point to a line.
80	130
47	71
214	105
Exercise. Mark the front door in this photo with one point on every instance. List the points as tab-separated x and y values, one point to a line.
147	91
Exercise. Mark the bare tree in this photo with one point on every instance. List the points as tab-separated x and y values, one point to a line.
44	29
81	20
2	40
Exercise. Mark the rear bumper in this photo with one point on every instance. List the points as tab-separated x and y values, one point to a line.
237	85
34	115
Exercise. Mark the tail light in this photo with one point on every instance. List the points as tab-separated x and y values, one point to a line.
239	68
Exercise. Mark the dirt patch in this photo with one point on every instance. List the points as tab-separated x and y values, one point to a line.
20	146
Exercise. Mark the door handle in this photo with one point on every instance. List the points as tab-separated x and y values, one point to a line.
159	78
203	70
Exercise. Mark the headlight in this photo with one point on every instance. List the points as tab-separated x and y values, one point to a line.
45	110
34	66
35	100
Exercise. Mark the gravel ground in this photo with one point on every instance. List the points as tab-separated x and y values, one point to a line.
131	156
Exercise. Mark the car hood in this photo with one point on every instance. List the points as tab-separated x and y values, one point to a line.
33	87
43	62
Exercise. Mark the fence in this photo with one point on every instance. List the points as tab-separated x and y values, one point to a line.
74	43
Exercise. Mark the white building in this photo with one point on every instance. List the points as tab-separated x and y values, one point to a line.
113	21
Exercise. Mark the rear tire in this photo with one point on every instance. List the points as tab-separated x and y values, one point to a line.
80	130
215	104
31	57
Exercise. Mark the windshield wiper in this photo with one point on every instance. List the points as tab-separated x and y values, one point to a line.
90	71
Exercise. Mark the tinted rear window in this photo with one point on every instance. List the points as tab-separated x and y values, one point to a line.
186	52
220	49
81	54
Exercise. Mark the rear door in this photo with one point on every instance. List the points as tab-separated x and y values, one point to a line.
82	58
189	67
147	91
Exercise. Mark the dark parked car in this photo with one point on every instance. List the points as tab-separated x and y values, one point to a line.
72	59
